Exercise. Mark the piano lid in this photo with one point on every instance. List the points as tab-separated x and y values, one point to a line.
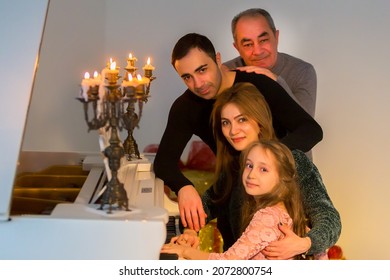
90	233
19	59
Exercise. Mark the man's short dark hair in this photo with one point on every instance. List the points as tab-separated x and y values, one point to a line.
191	41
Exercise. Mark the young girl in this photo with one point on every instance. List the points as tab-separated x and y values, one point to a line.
272	197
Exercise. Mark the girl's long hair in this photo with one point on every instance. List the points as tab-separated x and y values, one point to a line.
286	191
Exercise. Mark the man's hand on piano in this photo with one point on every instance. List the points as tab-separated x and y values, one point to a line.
188	238
191	209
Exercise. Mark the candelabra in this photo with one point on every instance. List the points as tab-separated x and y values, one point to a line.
136	92
108	100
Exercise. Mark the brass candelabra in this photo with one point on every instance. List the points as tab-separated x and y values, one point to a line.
108	100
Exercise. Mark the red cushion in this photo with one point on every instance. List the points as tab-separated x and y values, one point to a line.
200	157
152	148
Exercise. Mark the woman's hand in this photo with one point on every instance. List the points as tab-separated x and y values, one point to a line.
288	247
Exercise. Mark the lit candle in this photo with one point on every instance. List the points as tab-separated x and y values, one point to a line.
96	79
129	85
130	67
148	68
85	85
130	82
113	68
109	63
112	73
95	84
131	61
142	81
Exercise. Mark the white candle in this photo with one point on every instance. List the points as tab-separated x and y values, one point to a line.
148	68
112	73
85	85
96	79
143	80
131	82
129	85
113	68
131	62
102	92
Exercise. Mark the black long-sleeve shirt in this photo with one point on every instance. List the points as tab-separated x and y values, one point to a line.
190	115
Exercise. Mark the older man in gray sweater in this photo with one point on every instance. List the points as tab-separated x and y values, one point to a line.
256	39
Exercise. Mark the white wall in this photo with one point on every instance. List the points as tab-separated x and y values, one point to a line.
346	41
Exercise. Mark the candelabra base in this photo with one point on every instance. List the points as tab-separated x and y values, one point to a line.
115	196
115	193
131	148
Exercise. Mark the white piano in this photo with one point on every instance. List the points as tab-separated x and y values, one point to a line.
80	230
75	230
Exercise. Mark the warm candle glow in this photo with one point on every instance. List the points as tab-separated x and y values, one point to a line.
130	81
131	62
113	65
132	58
85	86
107	93
148	68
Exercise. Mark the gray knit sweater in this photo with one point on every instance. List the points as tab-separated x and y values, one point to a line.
296	76
324	219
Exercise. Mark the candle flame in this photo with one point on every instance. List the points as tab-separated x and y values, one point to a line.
86	75
139	77
130	77
113	65
131	57
148	61
95	74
